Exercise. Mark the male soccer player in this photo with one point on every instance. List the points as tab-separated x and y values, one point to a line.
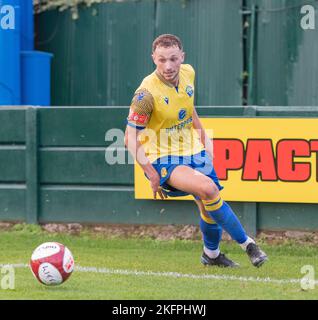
166	137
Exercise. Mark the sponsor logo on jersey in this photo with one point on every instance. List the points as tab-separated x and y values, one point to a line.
189	91
182	114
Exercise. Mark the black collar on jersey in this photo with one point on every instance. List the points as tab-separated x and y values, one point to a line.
162	79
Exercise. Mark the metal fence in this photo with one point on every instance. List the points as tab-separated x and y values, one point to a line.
53	169
244	51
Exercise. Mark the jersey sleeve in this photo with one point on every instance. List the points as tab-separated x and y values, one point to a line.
141	108
190	71
189	67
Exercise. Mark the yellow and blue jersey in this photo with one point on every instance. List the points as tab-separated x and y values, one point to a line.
164	113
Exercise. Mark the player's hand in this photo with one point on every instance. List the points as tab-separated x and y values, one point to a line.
161	194
155	186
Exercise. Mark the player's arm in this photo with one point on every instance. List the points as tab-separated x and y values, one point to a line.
139	115
137	151
205	140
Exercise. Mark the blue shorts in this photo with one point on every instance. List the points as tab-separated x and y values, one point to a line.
201	162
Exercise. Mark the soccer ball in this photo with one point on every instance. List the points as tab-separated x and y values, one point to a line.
52	263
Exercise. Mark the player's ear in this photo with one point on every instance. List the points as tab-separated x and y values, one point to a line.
182	56
153	57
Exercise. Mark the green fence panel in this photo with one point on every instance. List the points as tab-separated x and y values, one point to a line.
285	72
101	58
112	205
12	202
287	111
108	204
222	111
12	162
12	117
80	126
211	32
282	216
86	166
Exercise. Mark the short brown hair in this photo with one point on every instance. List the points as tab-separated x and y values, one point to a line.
166	41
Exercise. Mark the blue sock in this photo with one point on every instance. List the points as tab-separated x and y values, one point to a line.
212	234
224	216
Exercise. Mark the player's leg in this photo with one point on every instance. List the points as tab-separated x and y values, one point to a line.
223	214
211	232
212	235
189	180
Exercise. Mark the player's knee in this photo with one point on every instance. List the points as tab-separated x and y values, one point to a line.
207	191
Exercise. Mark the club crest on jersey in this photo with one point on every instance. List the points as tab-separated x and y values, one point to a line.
189	91
182	114
166	99
163	172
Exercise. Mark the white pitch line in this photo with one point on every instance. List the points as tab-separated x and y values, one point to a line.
174	274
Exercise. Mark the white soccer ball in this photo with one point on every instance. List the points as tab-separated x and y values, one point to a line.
52	263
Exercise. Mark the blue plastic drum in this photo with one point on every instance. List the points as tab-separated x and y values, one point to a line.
10	52
36	78
27	25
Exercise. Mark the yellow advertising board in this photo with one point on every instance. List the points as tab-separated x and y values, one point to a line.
259	160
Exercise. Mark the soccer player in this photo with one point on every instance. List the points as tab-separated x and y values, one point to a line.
166	137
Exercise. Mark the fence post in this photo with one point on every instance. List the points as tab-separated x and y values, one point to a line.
31	165
252	58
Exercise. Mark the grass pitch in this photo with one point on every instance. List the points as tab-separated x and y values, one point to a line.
151	269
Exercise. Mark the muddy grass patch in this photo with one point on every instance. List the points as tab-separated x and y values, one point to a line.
160	232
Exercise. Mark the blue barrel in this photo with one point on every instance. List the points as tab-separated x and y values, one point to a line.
10	52
36	78
27	25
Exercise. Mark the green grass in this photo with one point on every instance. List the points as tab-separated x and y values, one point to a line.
157	256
